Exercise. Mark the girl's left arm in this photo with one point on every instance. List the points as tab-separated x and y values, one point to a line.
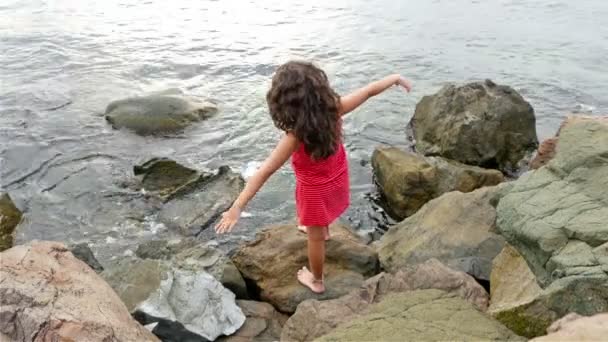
286	146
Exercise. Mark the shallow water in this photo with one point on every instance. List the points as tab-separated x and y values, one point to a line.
62	62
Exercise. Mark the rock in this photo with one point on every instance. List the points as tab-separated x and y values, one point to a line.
578	328
423	315
457	228
185	303
315	318
556	219
263	323
556	216
408	180
46	294
271	262
10	217
84	253
192	255
479	123
164	112
163	174
513	290
197	205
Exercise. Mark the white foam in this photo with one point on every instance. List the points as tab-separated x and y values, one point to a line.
250	168
584	108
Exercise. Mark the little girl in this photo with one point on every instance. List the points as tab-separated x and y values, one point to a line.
304	106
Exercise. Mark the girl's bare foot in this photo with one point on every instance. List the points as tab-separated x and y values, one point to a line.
306	278
302	229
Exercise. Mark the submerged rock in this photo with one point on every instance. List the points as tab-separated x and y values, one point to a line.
263	323
198	204
458	229
408	180
314	318
46	294
574	327
272	260
556	219
164	175
10	217
479	123
192	255
85	254
184	303
423	315
164	112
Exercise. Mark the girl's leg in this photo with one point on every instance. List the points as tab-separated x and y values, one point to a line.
313	278
303	229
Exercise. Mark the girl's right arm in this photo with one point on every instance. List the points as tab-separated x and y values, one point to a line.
353	100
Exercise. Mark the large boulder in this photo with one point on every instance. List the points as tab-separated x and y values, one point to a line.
556	219
263	323
457	228
10	217
574	327
197	205
46	294
315	318
408	180
192	255
181	302
479	123
271	262
423	315
158	113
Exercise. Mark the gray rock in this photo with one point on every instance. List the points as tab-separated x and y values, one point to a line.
10	217
479	123
85	254
191	254
408	180
263	323
164	112
183	301
164	175
197	205
457	228
423	315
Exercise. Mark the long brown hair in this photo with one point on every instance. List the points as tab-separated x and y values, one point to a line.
301	101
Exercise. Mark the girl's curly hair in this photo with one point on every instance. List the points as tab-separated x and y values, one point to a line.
301	101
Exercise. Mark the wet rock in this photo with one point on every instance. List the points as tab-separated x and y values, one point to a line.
197	205
164	112
192	255
423	315
84	253
479	123
457	228
46	294
315	318
164	175
577	328
263	323
183	302
10	217
271	262
408	180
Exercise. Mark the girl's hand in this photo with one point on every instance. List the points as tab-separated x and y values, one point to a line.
228	221
405	83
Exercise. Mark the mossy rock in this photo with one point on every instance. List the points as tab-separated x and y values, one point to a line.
10	216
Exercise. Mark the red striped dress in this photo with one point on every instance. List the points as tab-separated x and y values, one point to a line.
322	187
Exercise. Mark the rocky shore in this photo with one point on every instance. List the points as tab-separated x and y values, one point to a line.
499	238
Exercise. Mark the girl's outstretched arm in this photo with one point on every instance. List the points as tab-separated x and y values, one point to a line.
286	146
353	100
